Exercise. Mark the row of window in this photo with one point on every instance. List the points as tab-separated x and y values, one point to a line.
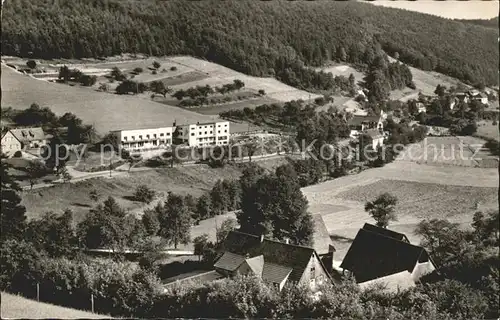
148	136
141	144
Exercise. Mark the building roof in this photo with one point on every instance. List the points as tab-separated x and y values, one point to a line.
357	120
386	232
321	237
28	134
256	264
275	273
289	256
229	261
394	282
373	255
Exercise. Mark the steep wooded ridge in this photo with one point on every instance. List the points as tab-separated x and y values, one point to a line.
259	38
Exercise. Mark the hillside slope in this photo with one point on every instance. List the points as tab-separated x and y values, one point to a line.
16	307
105	111
254	37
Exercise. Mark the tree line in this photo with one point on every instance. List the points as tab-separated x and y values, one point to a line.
299	35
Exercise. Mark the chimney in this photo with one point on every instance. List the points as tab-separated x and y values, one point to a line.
261	237
174	124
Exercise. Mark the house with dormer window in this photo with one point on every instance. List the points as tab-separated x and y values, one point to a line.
276	263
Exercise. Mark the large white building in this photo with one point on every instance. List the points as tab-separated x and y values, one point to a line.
194	135
205	134
144	139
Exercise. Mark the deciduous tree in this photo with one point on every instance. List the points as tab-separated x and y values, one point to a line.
175	220
382	209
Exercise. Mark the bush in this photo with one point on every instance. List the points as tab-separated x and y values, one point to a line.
154	72
31	64
262	92
18	154
144	194
173	68
138	70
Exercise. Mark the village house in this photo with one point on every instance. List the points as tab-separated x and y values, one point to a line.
204	134
377	138
359	124
382	256
421	107
481	97
462	97
276	263
23	138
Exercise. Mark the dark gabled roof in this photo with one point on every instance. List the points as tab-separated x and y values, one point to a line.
358	120
373	255
275	273
229	261
286	255
386	232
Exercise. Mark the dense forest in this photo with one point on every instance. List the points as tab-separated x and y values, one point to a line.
489	23
274	38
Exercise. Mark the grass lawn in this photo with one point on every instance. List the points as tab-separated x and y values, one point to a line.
16	307
426	200
106	111
194	180
450	151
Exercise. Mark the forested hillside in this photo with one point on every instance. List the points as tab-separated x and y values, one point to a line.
274	38
490	23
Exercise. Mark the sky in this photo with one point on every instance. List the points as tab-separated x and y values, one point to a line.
473	9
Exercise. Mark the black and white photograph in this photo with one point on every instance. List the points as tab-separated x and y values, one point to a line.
250	159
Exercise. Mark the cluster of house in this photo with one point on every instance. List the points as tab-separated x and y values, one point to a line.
376	256
19	139
194	135
471	95
458	97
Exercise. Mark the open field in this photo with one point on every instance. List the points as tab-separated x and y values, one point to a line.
16	307
343	70
193	180
488	130
106	111
424	191
221	75
450	151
